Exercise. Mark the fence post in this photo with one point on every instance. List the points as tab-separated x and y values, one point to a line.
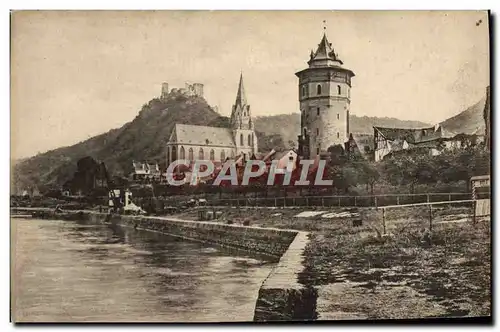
354	200
474	211
284	201
322	202
428	198
294	201
383	219
375	201
339	201
430	217
449	197
275	202
307	201
397	197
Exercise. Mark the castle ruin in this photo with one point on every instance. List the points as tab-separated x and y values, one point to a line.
195	89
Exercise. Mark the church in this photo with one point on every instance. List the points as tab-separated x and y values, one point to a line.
216	144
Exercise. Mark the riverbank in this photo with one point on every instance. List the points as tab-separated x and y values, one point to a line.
349	270
412	272
280	291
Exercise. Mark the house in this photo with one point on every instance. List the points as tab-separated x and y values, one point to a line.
145	171
431	139
360	145
287	158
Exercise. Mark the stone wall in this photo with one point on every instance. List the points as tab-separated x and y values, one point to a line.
281	297
273	242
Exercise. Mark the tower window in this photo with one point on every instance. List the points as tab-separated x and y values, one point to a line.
241	139
182	153
201	154
317	131
318	89
303	91
339	90
191	154
249	139
338	116
338	135
212	154
317	150
222	155
317	110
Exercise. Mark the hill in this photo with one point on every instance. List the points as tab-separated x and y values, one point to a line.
145	137
470	121
288	125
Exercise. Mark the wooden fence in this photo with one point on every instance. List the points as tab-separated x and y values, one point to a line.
473	204
341	201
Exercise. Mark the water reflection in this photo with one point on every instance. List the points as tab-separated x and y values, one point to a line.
69	271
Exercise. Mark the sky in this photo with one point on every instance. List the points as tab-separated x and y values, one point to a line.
78	74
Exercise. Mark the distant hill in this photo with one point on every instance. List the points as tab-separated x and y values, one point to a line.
288	125
145	137
470	121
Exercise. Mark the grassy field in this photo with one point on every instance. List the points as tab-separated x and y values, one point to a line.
411	272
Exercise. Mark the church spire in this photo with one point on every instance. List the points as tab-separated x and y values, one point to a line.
240	115
241	98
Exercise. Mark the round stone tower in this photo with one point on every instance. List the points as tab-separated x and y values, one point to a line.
325	97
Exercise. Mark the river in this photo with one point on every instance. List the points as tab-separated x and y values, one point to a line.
75	272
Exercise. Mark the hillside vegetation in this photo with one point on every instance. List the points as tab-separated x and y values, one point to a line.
143	138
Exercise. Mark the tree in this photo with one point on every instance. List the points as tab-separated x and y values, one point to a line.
462	164
369	174
343	176
409	168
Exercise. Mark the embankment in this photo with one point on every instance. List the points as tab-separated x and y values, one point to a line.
280	297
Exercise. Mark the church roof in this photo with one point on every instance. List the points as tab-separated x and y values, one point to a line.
325	51
202	135
241	98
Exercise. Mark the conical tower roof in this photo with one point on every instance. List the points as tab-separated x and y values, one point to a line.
325	51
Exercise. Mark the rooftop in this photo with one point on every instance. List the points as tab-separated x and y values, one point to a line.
202	135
